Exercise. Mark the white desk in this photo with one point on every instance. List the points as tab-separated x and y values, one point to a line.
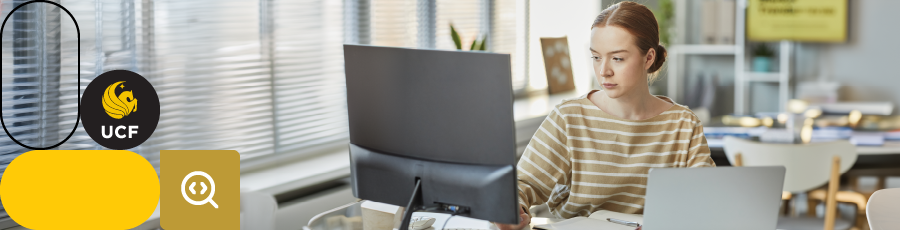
889	147
342	216
540	104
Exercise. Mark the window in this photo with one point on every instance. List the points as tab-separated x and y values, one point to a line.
30	84
571	19
426	24
260	77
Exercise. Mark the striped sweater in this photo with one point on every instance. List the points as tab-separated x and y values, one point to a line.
582	159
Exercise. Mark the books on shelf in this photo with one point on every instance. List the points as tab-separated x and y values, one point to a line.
717	21
708	23
715	135
892	135
867	108
867	138
725	22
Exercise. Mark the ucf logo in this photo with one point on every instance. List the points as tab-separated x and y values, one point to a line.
109	109
118	106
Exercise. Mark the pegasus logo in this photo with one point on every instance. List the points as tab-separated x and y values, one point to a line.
118	106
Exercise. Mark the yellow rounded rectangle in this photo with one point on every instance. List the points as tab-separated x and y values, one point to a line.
79	189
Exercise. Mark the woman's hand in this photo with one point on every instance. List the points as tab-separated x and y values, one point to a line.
524	220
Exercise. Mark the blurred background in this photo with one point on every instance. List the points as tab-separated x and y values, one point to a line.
265	77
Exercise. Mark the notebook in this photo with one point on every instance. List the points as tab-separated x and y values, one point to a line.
596	220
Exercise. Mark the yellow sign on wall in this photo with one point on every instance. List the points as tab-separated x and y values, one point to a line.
799	20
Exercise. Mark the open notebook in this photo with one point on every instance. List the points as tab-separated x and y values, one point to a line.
596	220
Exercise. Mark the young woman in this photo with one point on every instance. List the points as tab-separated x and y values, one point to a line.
594	152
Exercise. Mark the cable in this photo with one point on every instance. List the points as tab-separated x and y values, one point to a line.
446	221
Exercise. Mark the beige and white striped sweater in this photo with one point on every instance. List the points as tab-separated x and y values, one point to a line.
582	159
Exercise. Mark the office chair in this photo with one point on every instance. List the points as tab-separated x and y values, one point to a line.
809	166
883	209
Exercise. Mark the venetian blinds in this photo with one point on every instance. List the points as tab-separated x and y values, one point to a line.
509	34
308	73
394	22
470	18
31	78
213	80
426	24
260	77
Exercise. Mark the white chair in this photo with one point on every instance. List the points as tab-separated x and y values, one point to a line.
883	209
808	166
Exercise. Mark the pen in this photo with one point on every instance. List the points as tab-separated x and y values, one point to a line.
623	222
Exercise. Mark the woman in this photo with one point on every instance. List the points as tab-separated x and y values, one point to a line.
594	152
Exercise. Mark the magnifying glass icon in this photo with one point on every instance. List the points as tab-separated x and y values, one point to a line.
212	185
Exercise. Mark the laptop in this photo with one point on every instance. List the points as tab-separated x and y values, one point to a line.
713	198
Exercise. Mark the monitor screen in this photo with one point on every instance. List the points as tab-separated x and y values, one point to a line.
450	106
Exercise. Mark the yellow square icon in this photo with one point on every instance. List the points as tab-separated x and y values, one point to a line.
200	189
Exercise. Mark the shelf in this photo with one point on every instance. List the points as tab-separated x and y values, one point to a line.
704	49
762	76
676	71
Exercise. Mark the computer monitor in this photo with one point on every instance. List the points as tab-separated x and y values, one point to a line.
432	130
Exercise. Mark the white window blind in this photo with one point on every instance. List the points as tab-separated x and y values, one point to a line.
399	23
308	72
509	35
31	77
469	18
261	77
394	22
214	84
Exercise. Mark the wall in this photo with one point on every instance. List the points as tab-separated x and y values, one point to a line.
866	64
553	18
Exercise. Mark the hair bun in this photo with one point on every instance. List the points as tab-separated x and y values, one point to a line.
660	58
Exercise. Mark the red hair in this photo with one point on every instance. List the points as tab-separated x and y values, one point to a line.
640	22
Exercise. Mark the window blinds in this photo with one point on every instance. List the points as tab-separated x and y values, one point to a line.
509	35
468	18
394	22
261	77
214	84
31	79
308	72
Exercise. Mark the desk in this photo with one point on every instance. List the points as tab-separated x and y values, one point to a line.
889	147
885	156
540	104
341	218
879	161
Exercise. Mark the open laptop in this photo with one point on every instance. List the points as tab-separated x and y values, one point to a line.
713	198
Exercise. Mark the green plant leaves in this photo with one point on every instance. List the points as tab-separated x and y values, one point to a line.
455	36
483	43
476	45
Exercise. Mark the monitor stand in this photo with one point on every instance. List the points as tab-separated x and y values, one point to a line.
415	204
484	192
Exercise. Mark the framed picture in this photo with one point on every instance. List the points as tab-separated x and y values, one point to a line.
557	64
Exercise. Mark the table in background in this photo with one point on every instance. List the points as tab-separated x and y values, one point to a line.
886	156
